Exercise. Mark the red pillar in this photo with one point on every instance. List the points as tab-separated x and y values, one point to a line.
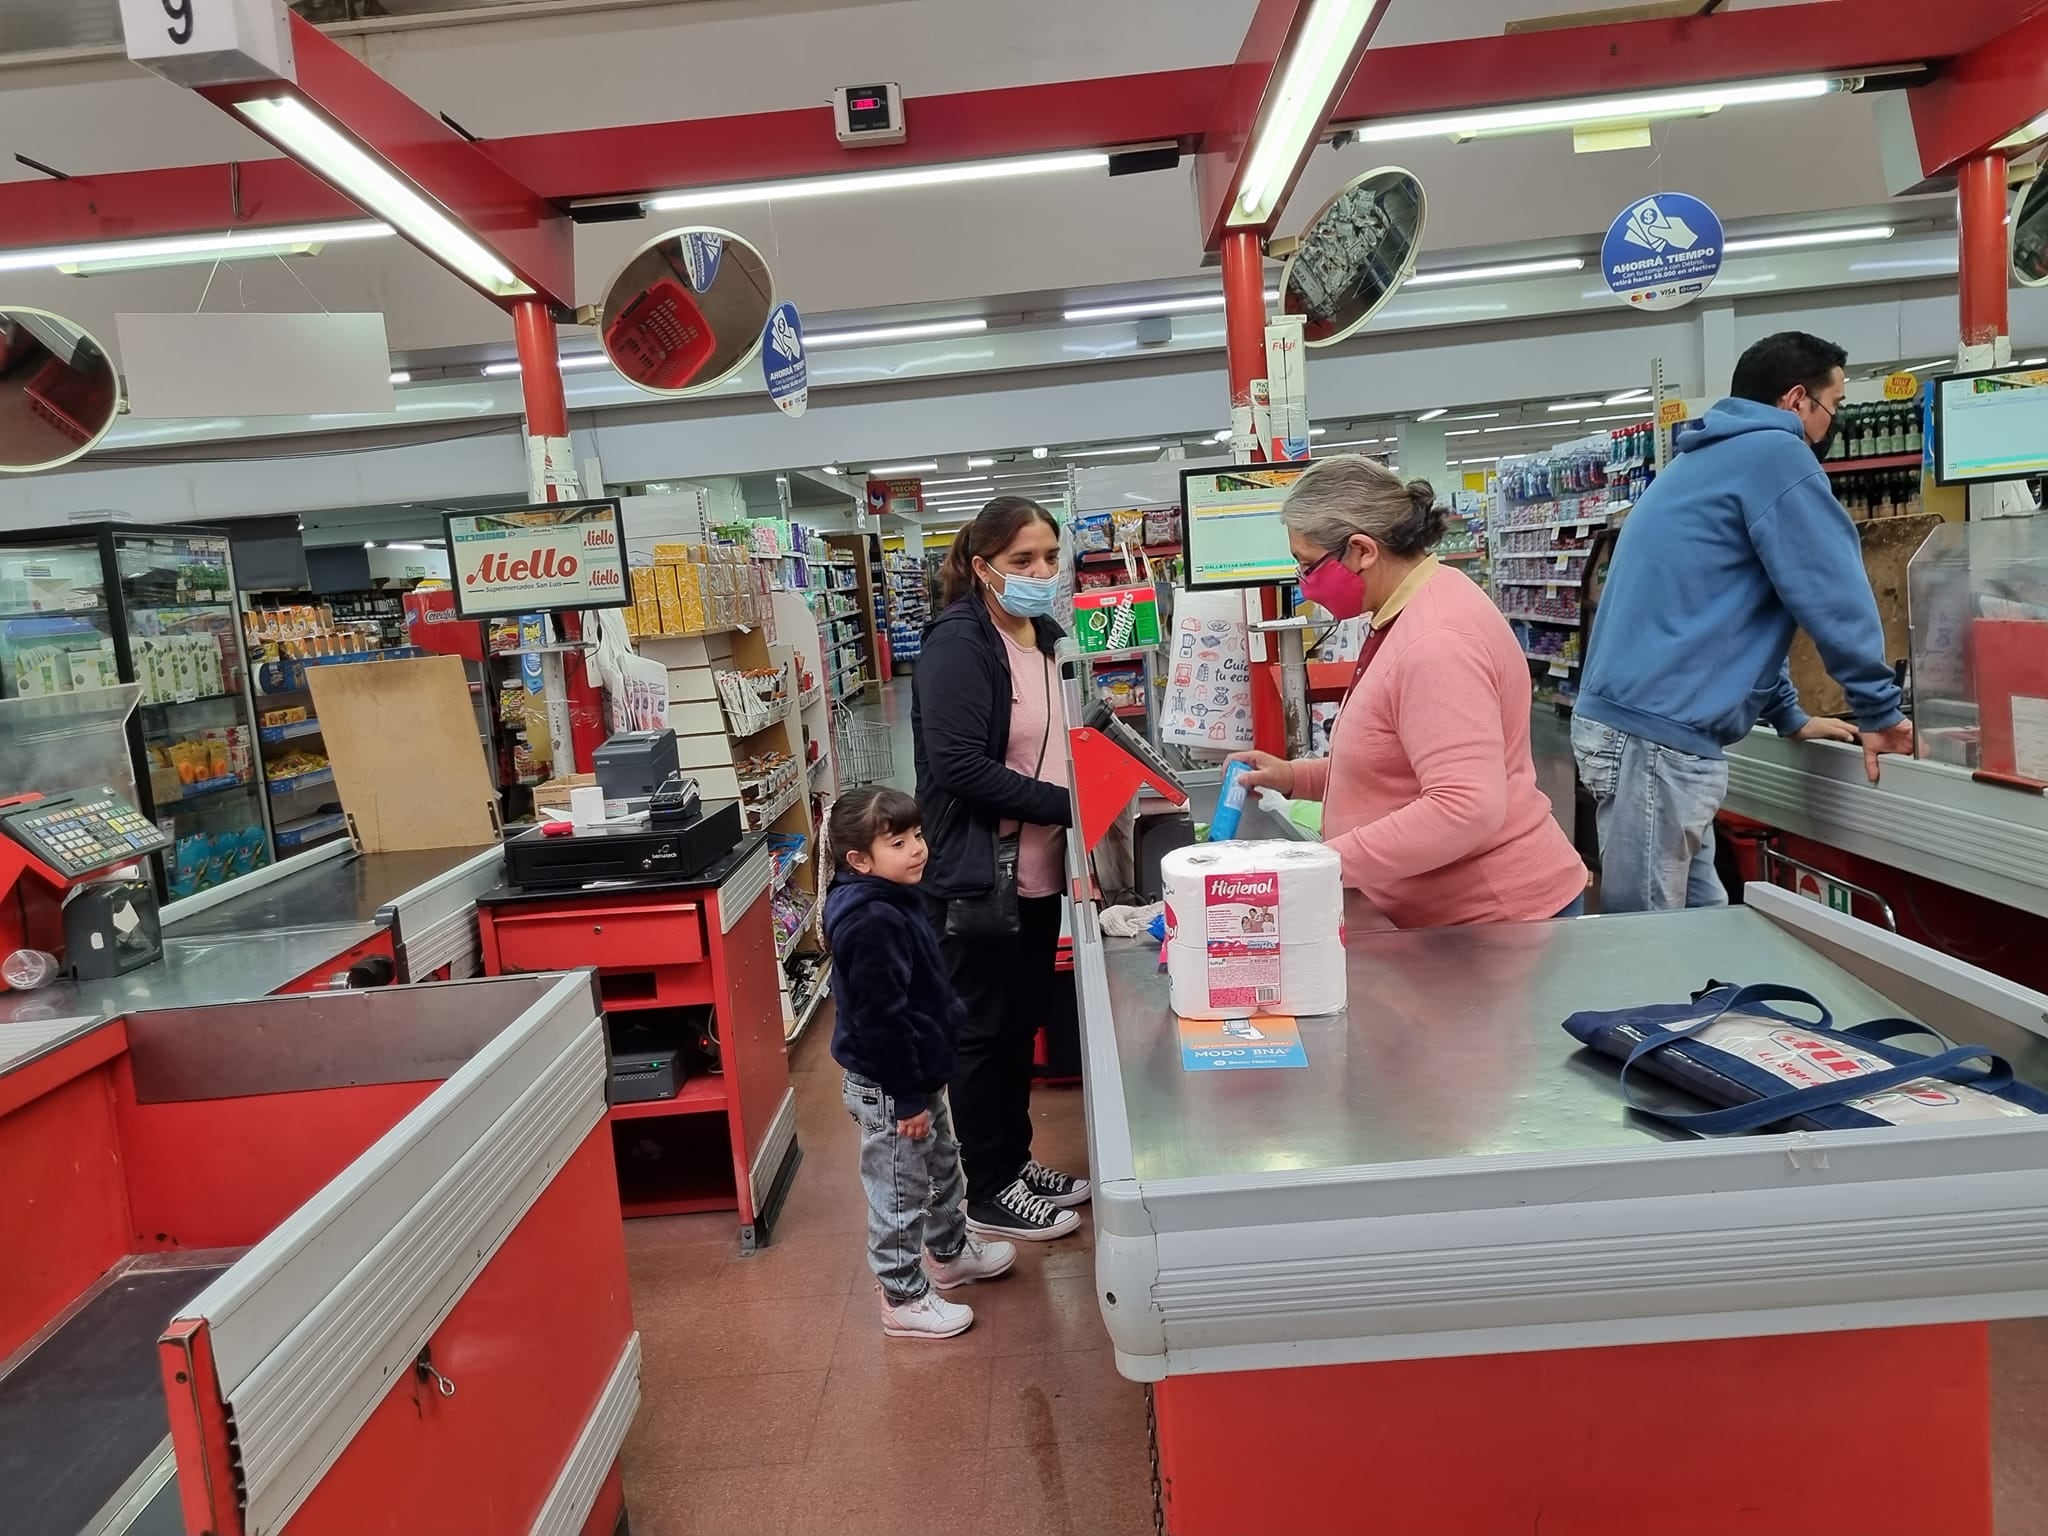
1981	237
540	381
1244	313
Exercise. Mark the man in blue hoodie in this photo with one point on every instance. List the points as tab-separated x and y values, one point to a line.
1737	544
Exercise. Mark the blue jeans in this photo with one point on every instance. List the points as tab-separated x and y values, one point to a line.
1656	820
915	1189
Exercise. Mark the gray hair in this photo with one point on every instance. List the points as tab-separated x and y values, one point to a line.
1350	494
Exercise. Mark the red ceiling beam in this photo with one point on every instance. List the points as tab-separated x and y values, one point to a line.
1983	95
524	230
1831	37
187	200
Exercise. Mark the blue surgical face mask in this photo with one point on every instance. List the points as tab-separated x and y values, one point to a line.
1028	597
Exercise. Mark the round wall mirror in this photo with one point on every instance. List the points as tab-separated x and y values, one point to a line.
2030	234
58	393
687	311
1356	251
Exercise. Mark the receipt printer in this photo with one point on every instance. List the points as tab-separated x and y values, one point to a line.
634	764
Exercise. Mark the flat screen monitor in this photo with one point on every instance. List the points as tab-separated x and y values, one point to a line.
1991	426
1232	516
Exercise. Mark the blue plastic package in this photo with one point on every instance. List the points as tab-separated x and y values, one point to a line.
1229	802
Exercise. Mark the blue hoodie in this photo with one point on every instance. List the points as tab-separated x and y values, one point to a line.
1736	544
895	1012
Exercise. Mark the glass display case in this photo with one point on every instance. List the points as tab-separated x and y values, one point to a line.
1977	596
91	607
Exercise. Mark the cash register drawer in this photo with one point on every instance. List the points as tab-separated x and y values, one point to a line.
634	937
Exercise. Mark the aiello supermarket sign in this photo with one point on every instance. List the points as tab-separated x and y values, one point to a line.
555	555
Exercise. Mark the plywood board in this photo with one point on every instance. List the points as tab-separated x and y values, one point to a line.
408	761
1889	544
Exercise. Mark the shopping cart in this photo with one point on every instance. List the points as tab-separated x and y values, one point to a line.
865	753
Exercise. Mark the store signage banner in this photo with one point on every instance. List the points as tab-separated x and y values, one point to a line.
210	42
1662	252
702	251
248	363
782	360
1208	697
533	559
903	497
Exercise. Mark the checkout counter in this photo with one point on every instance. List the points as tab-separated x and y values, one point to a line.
1442	1281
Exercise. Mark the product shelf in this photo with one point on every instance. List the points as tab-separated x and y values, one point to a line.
297	782
1883	461
303	834
208	787
271	735
784	948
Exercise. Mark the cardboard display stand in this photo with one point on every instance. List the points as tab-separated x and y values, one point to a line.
407	761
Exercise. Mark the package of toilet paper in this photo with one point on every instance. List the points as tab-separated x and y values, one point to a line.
1254	927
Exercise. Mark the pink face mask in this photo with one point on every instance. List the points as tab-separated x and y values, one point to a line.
1334	587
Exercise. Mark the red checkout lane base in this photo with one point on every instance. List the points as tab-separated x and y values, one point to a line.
1868	1433
484	1459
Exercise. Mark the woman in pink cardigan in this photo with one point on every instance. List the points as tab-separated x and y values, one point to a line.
1429	792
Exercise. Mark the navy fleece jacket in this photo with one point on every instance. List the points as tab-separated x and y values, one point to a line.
896	1014
1734	546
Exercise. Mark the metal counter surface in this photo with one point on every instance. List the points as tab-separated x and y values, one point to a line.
193	972
350	889
1452	1045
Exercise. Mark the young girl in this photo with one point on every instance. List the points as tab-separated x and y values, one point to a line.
896	1019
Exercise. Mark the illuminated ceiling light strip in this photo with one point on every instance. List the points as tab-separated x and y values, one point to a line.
911	332
338	160
400	376
1463	432
1322	54
2032	362
1552	264
1432	414
178	250
1623	416
980	463
1863	234
964	479
904	469
1573	405
1627	397
567	364
865	182
1589	111
1476	416
1936	362
1358	442
1103	453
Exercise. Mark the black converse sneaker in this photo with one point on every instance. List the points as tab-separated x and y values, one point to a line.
1062	1189
1018	1214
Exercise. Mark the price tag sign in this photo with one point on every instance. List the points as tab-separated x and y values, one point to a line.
1901	386
1561	559
210	42
1550	589
1560	669
1671	413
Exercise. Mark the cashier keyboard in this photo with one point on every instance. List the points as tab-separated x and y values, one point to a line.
86	830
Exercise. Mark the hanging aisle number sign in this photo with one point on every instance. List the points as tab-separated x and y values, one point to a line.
210	42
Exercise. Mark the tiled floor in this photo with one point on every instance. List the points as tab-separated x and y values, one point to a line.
773	1406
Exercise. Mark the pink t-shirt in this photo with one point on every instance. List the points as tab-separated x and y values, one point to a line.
1429	792
1033	754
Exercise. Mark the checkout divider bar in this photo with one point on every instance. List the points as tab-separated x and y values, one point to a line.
192	906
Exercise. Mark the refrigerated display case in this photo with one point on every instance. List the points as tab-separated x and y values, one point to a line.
98	605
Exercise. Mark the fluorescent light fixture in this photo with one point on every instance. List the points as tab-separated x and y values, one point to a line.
409	548
1476	416
1550	264
567	364
1142	307
1318	431
1491	459
369	183
369	543
1038	453
1358	442
2032	362
1627	397
1315	70
1103	453
904	469
910	332
980	463
1573	405
830	469
1463	432
866	182
1863	234
185	250
400	376
1591	111
1221	437
1431	415
1938	362
1624	416
963	480
1537	426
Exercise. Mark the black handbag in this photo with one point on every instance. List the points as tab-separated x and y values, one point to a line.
994	916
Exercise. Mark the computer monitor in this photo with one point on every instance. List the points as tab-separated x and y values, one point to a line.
1991	425
1232	516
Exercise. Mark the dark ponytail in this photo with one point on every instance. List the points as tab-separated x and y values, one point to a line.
994	529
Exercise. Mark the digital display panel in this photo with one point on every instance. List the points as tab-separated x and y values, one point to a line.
1991	426
1232	516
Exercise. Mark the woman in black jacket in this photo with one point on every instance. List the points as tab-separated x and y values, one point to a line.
984	707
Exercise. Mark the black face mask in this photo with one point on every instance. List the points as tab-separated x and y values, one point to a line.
1827	440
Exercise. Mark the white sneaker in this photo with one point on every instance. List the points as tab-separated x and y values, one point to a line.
931	1316
976	1260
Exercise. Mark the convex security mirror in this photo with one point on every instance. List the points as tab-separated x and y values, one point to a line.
58	393
1356	251
686	312
2030	234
